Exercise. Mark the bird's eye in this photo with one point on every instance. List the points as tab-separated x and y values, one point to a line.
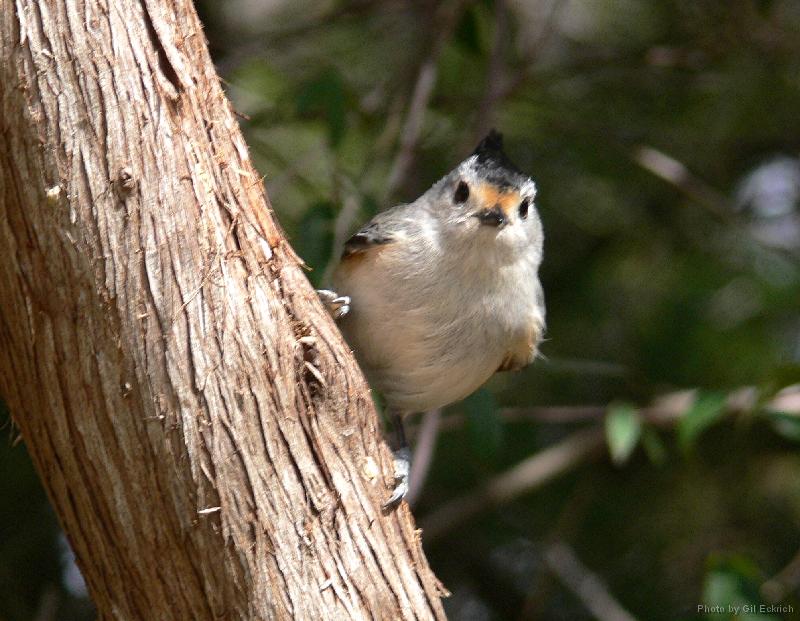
523	209
462	192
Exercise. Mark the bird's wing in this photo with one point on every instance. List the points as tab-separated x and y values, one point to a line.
384	228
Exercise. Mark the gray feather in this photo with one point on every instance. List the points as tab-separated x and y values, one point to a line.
382	229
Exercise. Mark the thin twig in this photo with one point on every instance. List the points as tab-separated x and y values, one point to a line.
412	127
420	98
409	136
548	29
551	414
529	474
784	582
424	447
342	226
663	411
564	528
584	584
676	173
500	86
787	400
495	74
543	466
47	610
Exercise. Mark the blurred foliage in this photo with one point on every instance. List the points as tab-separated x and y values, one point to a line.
708	409
732	583
664	139
623	430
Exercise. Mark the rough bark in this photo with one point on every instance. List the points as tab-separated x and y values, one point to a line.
202	431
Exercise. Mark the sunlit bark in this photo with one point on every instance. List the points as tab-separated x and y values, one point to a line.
202	431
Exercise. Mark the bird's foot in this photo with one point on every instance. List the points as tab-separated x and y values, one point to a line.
402	468
338	305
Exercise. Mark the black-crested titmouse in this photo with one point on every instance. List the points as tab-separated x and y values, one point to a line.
437	295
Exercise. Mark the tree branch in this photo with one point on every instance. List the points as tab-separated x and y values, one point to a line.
526	476
204	434
426	436
586	585
553	461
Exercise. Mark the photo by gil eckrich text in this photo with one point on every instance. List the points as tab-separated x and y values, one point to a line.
745	609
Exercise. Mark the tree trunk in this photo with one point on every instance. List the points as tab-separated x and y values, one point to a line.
204	434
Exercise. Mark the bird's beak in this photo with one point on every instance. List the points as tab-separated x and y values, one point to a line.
492	217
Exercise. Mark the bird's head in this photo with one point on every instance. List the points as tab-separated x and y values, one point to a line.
488	202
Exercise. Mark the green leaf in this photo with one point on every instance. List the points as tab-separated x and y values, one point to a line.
732	586
654	447
623	430
708	409
785	424
484	426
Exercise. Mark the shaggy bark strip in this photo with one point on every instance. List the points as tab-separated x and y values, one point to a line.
204	434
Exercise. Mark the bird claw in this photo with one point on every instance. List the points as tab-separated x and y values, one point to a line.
402	469
338	305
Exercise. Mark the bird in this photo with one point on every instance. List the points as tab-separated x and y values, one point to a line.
436	295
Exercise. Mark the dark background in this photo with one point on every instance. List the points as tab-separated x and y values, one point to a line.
664	138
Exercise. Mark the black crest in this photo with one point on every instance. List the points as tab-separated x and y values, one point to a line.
491	147
494	163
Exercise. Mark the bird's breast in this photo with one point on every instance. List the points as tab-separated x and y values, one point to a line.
427	336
